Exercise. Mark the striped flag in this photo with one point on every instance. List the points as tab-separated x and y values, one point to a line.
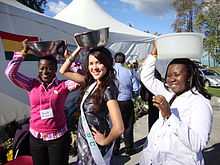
13	42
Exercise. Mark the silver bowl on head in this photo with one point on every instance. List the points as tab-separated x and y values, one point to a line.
46	48
93	38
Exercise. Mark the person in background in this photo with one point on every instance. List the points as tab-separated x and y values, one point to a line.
134	70
128	87
48	129
72	108
100	122
183	128
146	95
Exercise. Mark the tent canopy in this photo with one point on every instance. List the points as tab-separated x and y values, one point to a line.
18	19
89	14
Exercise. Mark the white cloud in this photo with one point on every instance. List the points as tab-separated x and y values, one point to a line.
56	7
151	7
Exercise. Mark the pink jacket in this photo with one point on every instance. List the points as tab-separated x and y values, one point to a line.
41	98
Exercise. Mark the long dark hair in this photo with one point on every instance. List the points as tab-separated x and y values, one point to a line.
105	57
194	75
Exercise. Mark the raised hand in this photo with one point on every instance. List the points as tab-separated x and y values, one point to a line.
154	48
25	48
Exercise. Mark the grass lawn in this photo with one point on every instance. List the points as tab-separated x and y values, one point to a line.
216	69
214	91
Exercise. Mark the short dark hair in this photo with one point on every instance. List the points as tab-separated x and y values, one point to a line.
50	58
120	57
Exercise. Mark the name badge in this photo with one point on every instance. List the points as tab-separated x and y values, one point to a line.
46	113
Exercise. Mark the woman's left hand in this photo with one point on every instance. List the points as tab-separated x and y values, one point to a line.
161	103
98	136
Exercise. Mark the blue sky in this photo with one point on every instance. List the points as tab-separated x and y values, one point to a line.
151	15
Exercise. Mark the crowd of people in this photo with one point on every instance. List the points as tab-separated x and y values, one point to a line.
179	120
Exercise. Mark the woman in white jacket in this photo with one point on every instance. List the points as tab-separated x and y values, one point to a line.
183	128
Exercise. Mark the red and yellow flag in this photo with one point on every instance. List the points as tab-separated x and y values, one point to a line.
13	42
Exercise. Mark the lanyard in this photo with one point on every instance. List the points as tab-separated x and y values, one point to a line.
96	154
172	100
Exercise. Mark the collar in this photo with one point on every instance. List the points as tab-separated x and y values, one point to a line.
53	82
189	92
118	64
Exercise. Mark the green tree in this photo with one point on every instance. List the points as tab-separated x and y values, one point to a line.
208	22
186	11
37	5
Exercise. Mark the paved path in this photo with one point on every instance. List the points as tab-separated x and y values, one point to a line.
211	153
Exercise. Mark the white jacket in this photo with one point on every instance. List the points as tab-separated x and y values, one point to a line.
180	139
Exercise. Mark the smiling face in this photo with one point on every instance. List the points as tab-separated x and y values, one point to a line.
177	77
96	68
46	70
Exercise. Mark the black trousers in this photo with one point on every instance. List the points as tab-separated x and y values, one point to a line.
53	152
153	113
127	112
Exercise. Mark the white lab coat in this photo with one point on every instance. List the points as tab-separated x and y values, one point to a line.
180	139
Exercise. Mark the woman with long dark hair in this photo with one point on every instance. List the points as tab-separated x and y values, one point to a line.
100	123
183	128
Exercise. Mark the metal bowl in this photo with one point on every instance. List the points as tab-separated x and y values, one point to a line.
93	38
46	48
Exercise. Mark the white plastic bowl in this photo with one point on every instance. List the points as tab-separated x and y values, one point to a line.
180	45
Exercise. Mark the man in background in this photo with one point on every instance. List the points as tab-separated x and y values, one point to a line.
128	87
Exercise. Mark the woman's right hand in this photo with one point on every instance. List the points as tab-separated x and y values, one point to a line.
161	103
25	48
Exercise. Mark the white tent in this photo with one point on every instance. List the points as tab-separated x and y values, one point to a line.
89	14
11	109
21	20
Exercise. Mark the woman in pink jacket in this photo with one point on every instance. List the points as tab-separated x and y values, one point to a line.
48	129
